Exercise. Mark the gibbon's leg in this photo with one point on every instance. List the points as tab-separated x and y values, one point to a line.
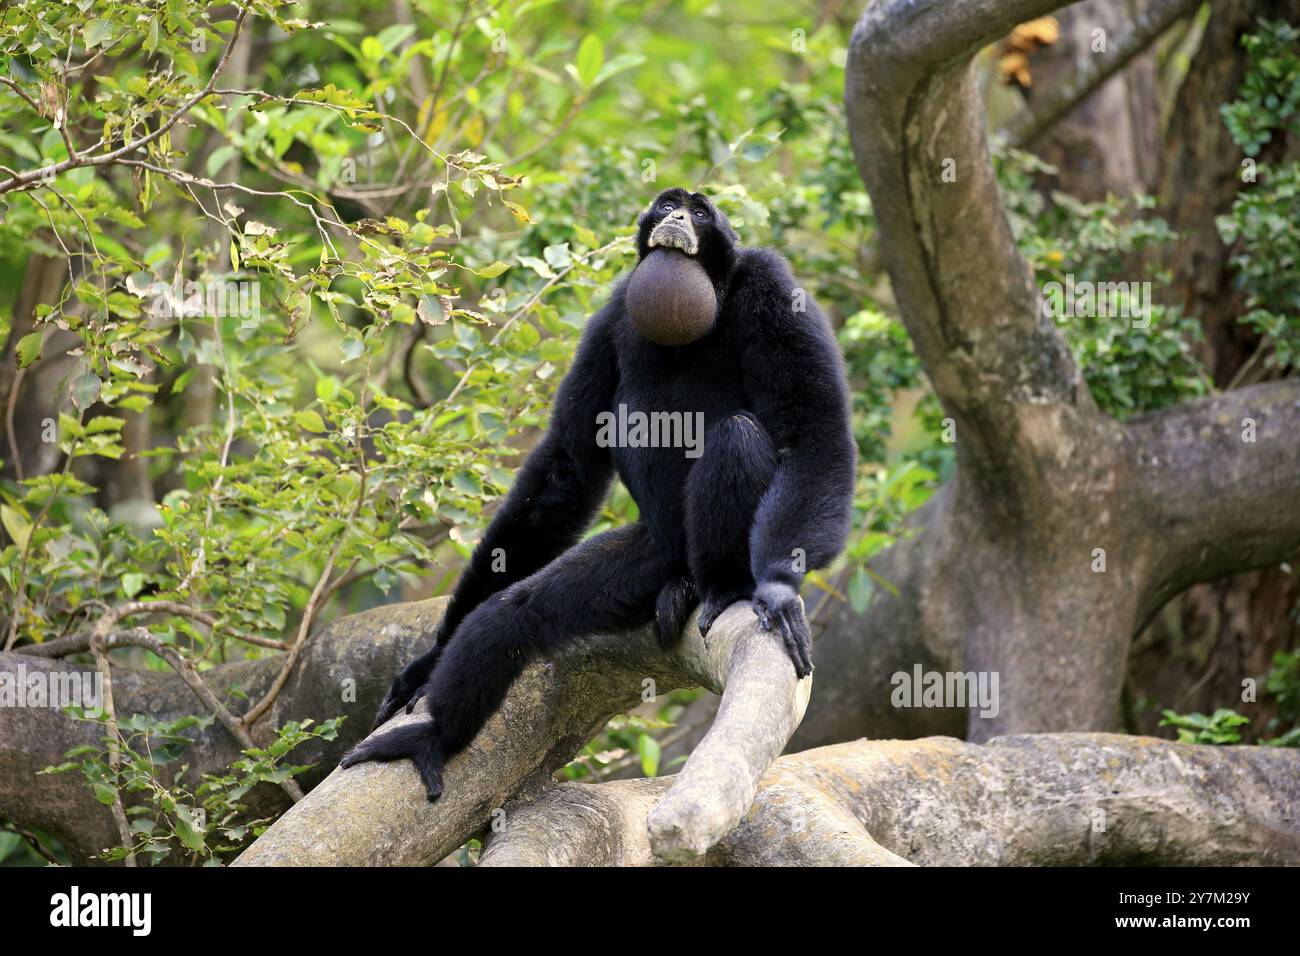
608	582
722	493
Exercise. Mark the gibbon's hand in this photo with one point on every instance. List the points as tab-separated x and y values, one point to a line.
405	690
778	608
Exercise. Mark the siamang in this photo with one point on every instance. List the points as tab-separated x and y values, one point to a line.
768	498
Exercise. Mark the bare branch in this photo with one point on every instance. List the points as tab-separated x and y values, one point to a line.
1219	481
1045	110
375	813
1042	799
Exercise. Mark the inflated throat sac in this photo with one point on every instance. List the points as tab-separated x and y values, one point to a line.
670	298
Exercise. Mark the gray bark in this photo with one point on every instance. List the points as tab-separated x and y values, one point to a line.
376	814
1042	800
1006	555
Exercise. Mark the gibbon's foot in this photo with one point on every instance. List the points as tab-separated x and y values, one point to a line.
713	605
415	741
676	601
778	607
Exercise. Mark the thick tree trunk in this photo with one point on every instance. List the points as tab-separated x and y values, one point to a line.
1062	531
1201	646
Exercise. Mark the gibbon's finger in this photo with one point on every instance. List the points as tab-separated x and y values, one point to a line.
387	709
415	699
795	634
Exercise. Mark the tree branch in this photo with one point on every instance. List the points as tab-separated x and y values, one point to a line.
966	295
376	813
33	177
1044	111
344	671
1045	799
1219	481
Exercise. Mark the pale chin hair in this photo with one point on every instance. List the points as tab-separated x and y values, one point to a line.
674	237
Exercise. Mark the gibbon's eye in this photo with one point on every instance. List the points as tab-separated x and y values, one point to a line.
667	206
701	215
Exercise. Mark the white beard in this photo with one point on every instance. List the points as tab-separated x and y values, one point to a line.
671	235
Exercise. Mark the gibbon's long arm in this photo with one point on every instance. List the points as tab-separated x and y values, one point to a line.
553	500
559	488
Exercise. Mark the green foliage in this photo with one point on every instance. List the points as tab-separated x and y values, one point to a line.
1282	684
1218	728
629	740
1131	365
341	294
1262	224
1269	98
169	821
881	363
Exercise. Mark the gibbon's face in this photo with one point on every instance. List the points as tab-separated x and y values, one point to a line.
691	223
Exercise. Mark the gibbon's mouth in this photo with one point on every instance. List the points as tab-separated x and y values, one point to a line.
673	234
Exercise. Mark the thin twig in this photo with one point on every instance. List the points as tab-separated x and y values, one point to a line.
35	176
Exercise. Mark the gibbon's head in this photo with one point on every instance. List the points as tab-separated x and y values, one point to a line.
687	249
690	223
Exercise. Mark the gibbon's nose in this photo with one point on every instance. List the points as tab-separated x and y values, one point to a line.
678	214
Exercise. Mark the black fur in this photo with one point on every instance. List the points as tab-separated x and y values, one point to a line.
769	498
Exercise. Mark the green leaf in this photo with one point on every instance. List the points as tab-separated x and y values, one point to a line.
591	55
467	483
85	390
219	157
189	829
132	583
327	388
860	590
352	346
29	348
310	420
431	311
103	423
649	750
16	524
492	271
97	33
